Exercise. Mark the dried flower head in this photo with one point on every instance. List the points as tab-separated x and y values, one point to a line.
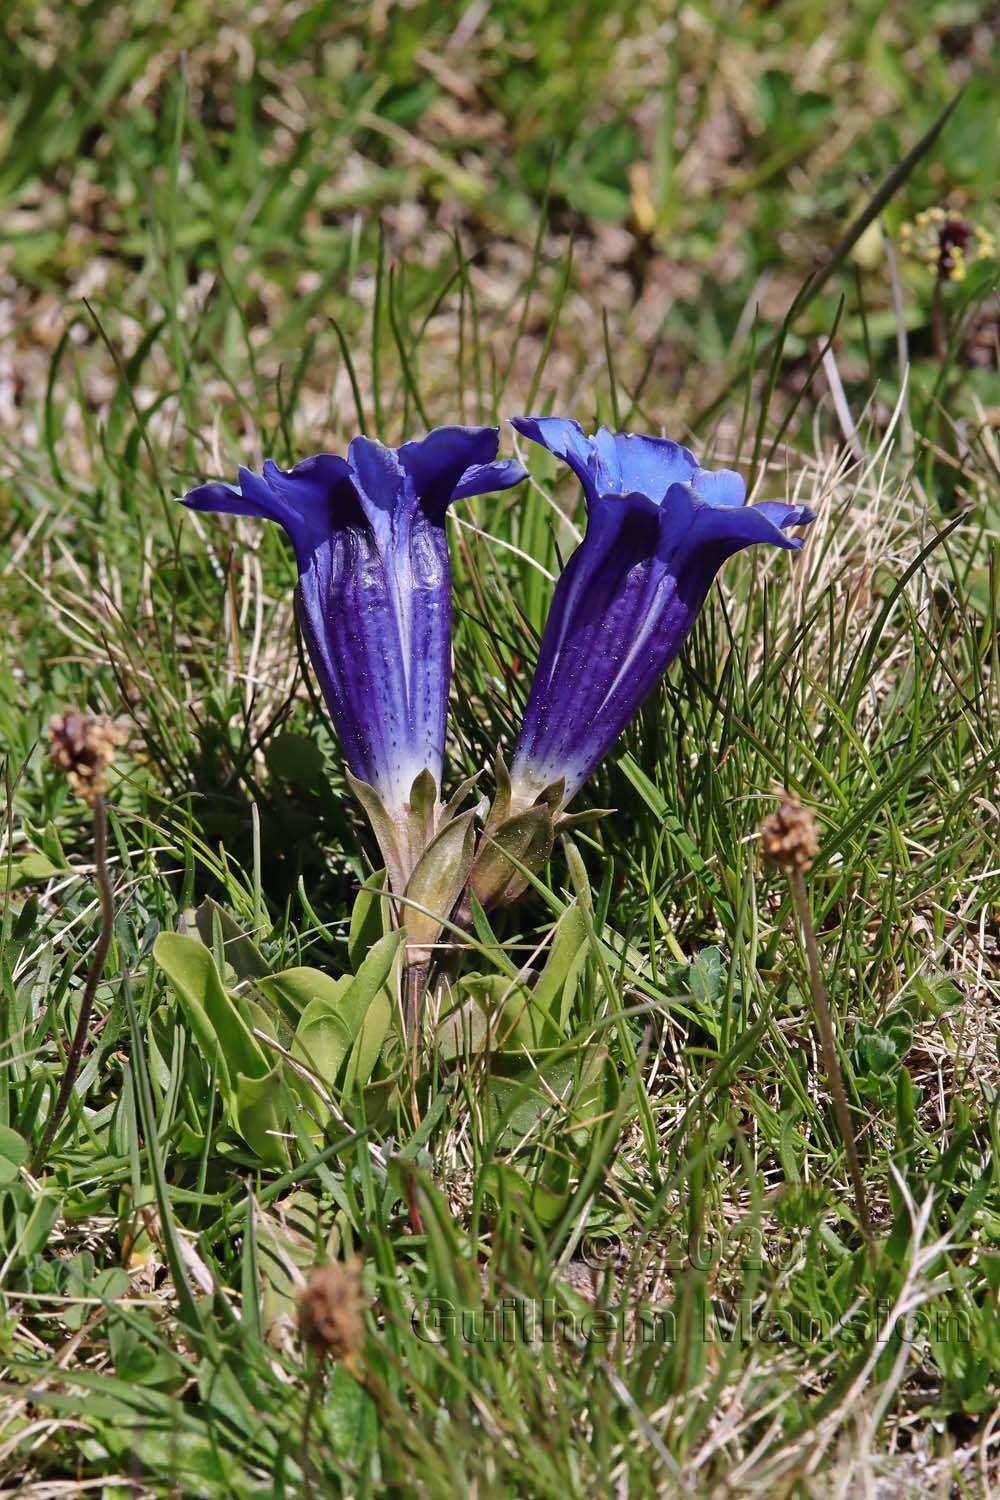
332	1311
946	243
788	837
84	746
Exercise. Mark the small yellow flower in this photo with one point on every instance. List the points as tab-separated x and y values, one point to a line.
986	245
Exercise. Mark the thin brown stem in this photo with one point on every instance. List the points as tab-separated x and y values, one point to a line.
828	1041
90	988
312	1397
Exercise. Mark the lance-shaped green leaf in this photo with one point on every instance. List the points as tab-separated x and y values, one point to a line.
250	1083
341	1023
505	1013
294	990
262	1115
323	1038
465	1031
371	918
553	995
240	951
370	1040
222	1033
520	1091
436	884
333	1013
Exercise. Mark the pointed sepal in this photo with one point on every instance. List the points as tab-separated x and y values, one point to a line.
458	797
422	810
500	809
385	829
523	842
582	819
437	881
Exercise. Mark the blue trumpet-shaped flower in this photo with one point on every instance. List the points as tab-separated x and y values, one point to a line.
374	596
374	588
659	527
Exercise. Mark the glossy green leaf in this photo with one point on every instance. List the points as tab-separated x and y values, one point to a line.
334	1013
370	1040
295	990
323	1038
262	1116
371	918
519	1091
373	972
13	1152
241	952
553	995
219	1029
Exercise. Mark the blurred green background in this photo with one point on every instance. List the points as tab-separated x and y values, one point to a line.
673	167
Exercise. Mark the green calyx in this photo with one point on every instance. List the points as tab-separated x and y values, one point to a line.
427	847
516	842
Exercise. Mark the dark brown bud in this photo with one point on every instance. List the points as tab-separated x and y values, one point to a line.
788	837
332	1311
84	746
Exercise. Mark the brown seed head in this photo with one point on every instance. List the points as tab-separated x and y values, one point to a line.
788	837
83	747
332	1311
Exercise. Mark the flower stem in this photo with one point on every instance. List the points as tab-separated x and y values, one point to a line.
90	988
939	326
414	991
414	987
312	1397
831	1061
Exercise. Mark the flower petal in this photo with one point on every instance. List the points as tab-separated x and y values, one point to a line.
483	479
565	438
630	462
783	516
227	499
380	480
439	463
711	534
720	486
306	500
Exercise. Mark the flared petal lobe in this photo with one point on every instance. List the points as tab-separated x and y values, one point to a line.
658	529
374	590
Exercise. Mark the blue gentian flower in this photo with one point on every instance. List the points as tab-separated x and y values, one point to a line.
659	527
374	598
374	589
